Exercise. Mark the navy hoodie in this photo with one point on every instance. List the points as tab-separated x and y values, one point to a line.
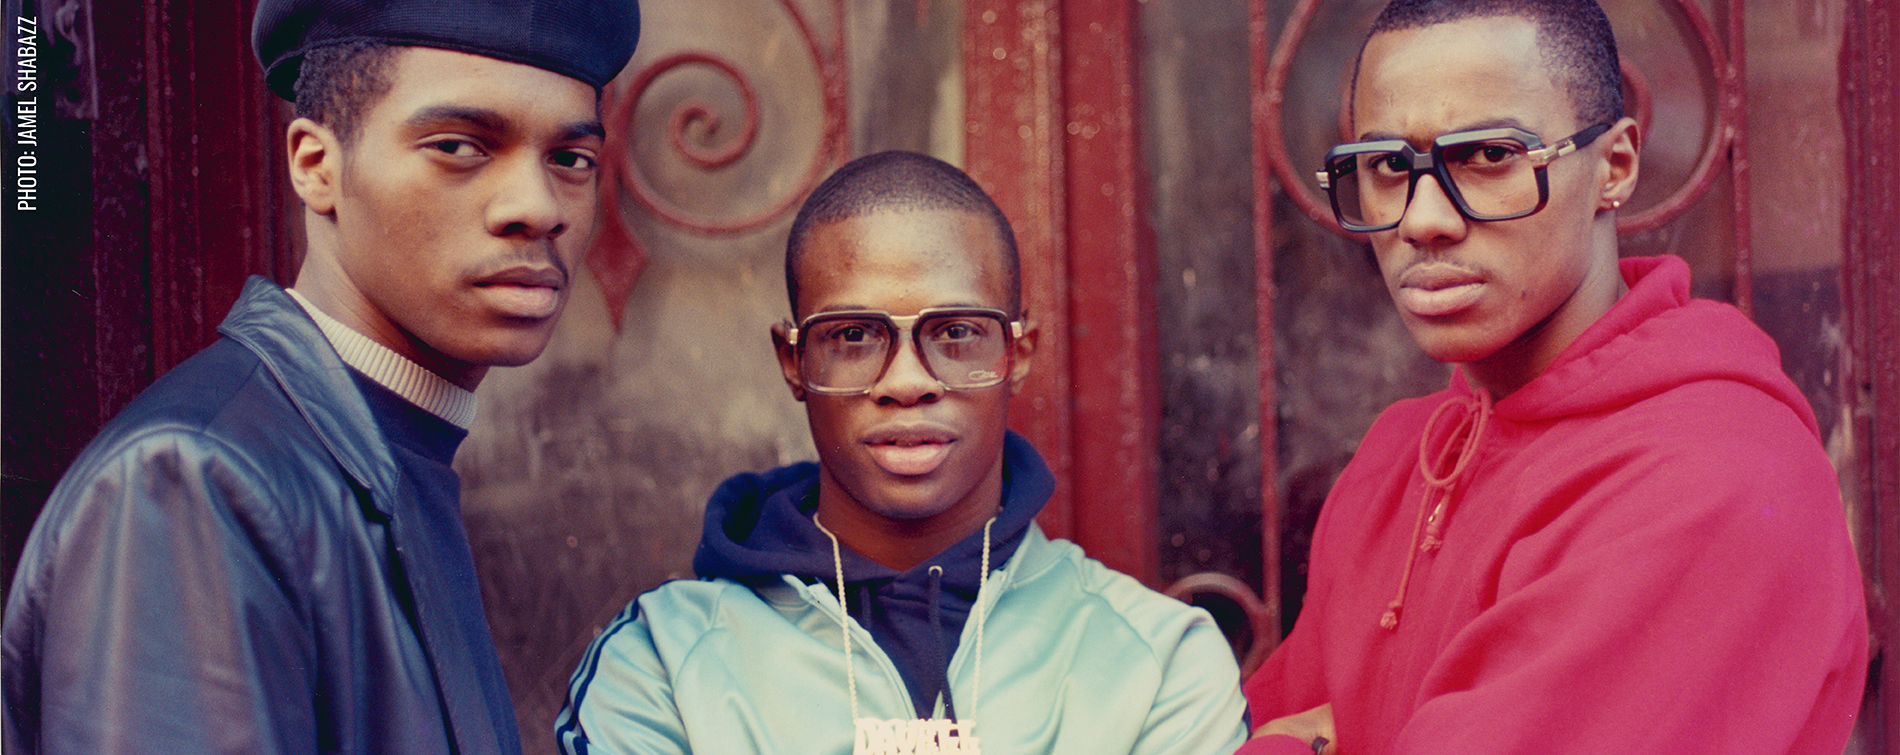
759	527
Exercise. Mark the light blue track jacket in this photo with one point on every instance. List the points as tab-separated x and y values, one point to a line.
1076	659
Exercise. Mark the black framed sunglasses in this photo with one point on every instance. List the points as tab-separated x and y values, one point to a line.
846	353
1493	174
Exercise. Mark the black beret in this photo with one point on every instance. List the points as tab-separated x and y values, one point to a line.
589	40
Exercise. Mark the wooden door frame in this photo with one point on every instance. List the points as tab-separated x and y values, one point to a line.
1051	130
1870	296
173	191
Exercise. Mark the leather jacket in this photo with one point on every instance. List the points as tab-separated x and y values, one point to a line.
232	565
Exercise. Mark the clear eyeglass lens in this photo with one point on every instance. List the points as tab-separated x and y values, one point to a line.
1372	186
962	350
965	351
845	354
1495	177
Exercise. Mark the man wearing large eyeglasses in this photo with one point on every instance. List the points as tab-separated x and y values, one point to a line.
897	596
845	353
1616	530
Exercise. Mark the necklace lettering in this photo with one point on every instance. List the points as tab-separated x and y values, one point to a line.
914	736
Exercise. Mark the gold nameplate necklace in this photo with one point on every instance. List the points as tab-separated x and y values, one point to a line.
912	736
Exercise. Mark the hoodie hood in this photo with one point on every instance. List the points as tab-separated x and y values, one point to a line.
758	525
1655	339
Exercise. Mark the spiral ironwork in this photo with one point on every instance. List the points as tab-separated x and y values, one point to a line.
617	255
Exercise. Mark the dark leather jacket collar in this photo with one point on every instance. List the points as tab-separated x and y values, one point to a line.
271	324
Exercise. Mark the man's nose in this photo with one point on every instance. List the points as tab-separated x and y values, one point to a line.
907	381
526	203
1431	217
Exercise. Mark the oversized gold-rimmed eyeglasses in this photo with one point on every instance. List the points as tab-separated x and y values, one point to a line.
1493	174
848	352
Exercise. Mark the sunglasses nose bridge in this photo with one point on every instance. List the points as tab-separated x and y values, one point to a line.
907	374
1423	164
1426	163
904	338
903	325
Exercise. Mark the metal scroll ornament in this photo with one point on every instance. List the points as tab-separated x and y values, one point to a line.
617	256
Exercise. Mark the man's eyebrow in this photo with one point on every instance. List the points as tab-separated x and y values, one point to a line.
582	130
843	307
1491	123
1481	125
489	120
440	114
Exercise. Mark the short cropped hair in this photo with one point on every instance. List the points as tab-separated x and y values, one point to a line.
902	181
1579	48
339	83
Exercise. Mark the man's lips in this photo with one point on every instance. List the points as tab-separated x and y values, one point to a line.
912	451
1438	290
531	293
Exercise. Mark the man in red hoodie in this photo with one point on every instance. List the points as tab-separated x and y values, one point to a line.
1616	530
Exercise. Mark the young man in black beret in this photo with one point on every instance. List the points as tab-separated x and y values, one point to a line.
264	552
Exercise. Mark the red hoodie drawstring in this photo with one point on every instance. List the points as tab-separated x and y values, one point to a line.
1434	506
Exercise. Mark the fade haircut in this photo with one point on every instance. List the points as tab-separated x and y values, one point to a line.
904	182
1578	46
337	84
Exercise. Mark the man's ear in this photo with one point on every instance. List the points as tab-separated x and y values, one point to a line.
316	164
787	359
1025	351
1623	161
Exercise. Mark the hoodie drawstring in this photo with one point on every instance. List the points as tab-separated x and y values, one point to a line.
1434	507
936	625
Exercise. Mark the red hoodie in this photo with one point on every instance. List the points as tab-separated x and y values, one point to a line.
1643	550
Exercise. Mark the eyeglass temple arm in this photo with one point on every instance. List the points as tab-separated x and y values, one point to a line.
1577	141
1542	157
